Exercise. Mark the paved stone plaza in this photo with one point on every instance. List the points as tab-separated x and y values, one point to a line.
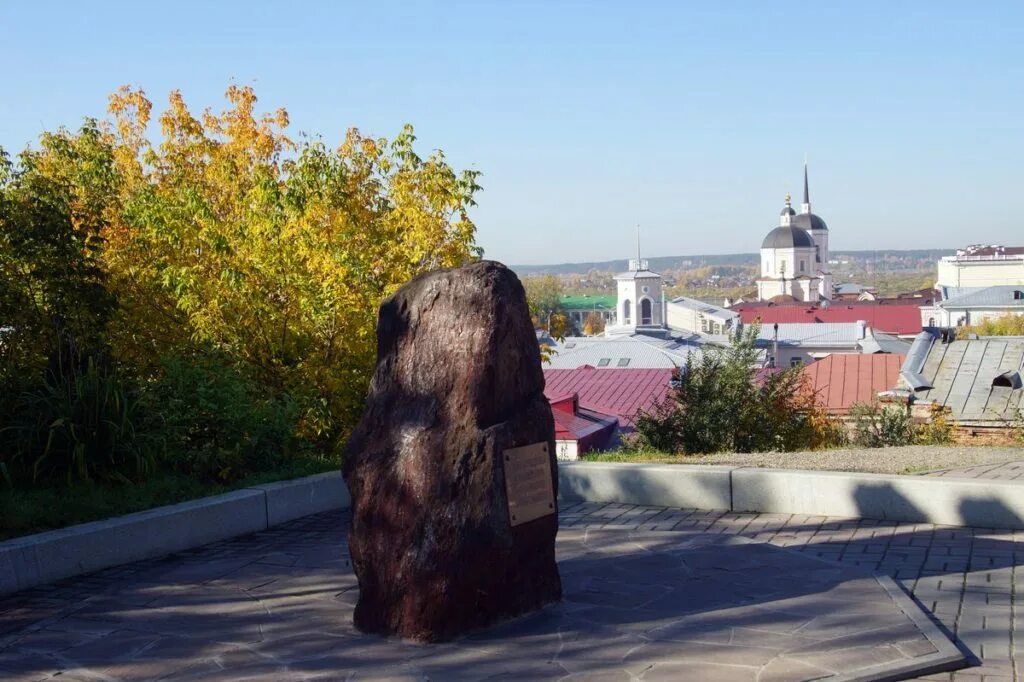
651	593
1009	471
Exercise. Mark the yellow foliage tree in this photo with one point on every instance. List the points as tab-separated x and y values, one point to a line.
593	324
228	236
1009	324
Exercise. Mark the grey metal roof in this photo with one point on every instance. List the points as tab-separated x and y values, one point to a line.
974	378
846	334
702	307
638	351
884	343
787	237
637	274
1001	296
809	221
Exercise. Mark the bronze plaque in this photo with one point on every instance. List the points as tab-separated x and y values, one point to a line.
528	484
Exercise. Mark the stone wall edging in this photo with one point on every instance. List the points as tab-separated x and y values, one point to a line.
887	497
54	555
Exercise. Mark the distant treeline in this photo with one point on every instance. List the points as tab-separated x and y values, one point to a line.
684	262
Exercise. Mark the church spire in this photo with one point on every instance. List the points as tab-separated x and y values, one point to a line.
806	207
638	242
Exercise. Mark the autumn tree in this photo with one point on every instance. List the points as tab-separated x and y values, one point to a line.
544	297
226	238
593	324
1009	324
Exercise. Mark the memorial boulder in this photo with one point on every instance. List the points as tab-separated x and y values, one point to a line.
451	468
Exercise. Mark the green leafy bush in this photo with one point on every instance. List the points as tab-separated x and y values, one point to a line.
875	425
723	403
215	423
77	425
938	430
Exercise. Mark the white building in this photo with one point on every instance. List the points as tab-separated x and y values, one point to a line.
982	266
801	343
795	257
640	306
690	315
972	305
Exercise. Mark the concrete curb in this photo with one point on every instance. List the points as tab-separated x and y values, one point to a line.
46	557
659	485
912	499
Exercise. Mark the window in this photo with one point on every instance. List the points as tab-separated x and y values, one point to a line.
625	312
570	345
795	362
931	321
646	289
782	267
645	311
802	266
604	362
623	362
1018	295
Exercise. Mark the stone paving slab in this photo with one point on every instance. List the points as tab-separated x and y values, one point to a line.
277	604
1009	471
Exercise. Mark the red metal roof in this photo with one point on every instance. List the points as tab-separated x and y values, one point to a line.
840	381
901	318
584	423
618	392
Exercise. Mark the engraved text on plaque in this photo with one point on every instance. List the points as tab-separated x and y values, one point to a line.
528	483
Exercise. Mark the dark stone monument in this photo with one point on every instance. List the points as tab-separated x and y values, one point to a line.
452	468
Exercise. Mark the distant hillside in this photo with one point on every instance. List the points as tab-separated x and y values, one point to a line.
683	262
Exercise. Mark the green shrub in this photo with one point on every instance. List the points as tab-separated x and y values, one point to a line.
722	403
77	425
215	423
876	426
939	429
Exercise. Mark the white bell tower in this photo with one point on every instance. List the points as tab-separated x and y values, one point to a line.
641	301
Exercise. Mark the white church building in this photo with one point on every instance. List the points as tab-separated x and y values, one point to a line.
794	256
641	301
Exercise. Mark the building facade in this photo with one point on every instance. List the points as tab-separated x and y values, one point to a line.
640	304
982	266
795	256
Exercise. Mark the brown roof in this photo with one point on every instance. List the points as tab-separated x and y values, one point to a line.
991	250
841	381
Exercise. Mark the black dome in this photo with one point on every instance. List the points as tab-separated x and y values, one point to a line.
809	221
788	210
787	237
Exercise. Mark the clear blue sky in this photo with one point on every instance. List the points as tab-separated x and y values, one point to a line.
586	118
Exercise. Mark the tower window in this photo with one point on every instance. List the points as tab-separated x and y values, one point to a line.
645	311
646	289
625	312
802	266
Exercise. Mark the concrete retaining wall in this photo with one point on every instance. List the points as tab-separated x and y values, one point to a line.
915	499
945	501
47	557
659	485
54	555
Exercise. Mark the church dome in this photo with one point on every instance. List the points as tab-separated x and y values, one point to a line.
787	237
788	210
809	221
